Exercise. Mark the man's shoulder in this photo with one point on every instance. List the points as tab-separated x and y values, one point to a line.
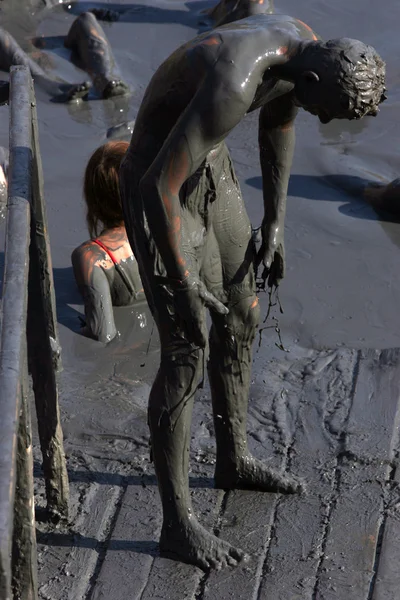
253	38
260	22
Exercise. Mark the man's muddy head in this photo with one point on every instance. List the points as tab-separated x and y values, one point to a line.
340	79
101	187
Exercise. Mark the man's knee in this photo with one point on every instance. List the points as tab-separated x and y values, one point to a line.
179	353
240	324
232	337
246	313
183	353
183	367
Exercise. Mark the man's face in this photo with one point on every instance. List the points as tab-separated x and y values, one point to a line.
324	101
322	114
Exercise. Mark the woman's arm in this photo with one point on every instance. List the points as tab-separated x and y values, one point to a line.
95	289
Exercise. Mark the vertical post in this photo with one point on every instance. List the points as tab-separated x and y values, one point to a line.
24	556
14	306
43	241
43	342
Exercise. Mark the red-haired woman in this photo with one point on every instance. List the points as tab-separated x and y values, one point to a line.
105	268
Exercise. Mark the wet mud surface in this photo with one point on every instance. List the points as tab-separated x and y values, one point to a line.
316	414
324	410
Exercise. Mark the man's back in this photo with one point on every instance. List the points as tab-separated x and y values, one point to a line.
233	56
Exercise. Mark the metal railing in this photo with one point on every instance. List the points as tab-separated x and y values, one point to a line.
28	342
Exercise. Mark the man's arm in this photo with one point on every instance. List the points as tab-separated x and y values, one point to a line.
215	109
276	141
95	289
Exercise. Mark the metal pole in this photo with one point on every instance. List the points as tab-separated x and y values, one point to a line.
43	341
43	241
14	307
24	556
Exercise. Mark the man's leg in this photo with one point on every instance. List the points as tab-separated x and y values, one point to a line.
12	54
171	400
231	340
92	52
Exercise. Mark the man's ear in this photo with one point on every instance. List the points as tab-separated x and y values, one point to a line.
310	76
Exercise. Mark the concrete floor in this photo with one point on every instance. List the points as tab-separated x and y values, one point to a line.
333	421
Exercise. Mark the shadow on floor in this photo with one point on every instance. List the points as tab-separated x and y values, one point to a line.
117	479
331	187
75	540
143	13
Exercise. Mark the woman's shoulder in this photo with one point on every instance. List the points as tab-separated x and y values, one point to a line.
90	252
117	244
85	250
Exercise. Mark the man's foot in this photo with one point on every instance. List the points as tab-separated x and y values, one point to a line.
252	474
72	92
195	545
115	88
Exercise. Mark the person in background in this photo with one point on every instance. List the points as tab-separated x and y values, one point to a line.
385	198
12	54
91	52
105	268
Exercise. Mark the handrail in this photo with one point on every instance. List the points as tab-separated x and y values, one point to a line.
28	337
14	318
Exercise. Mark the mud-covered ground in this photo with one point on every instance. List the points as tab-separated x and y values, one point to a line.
341	291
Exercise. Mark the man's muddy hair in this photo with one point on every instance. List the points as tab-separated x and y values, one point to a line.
359	71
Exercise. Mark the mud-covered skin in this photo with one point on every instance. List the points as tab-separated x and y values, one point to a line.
12	54
190	232
385	198
101	285
92	53
228	11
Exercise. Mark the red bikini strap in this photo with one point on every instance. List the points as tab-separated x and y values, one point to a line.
110	254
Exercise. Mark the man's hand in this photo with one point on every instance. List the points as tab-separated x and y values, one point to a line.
189	298
271	254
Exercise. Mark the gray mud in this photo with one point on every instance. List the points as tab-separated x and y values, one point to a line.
342	286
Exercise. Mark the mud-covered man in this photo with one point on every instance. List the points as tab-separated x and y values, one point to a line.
188	226
90	51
